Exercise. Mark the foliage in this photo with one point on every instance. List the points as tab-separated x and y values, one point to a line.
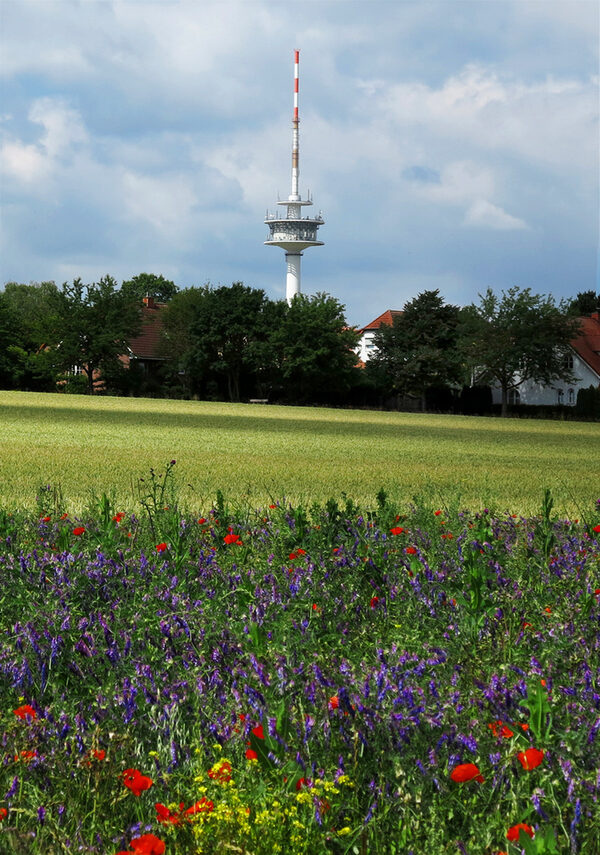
419	350
294	680
228	325
517	337
27	320
588	402
584	303
233	342
314	350
93	327
149	285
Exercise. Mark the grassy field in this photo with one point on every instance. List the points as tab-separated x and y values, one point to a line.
258	453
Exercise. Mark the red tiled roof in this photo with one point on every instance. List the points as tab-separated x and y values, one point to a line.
587	343
147	345
386	319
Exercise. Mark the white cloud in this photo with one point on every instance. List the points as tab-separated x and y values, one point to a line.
165	202
485	214
63	126
24	162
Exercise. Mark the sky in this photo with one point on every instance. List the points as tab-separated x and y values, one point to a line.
450	145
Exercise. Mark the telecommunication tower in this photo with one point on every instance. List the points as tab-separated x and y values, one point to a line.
293	232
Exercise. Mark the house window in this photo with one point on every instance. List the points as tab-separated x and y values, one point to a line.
514	397
568	361
571	396
560	396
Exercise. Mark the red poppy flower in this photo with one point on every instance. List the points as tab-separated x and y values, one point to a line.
233	538
251	755
333	702
513	832
24	711
396	530
3	814
292	556
596	529
165	816
203	806
99	755
503	730
258	732
201	521
374	601
118	517
466	772
531	758
272	506
46	519
301	782
136	782
79	530
437	513
223	773
161	547
64	516
148	844
26	755
301	551
410	550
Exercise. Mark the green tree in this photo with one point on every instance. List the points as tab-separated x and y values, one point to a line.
419	350
217	337
94	324
177	319
229	325
149	285
313	350
517	337
584	303
28	321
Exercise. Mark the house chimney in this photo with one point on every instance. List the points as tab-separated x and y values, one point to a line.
149	302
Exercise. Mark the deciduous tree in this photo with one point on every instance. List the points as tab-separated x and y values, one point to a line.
150	285
419	350
314	349
518	336
94	326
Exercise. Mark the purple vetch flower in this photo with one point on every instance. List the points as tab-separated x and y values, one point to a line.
12	789
535	800
593	731
573	827
41	815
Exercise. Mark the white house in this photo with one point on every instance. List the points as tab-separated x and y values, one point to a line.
366	347
584	362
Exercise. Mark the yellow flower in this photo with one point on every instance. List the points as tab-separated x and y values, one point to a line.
342	832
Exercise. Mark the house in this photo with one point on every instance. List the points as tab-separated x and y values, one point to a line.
583	361
145	350
365	346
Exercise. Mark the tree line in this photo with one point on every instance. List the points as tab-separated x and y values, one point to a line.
235	343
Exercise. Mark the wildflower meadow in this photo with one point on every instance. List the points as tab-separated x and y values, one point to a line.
317	679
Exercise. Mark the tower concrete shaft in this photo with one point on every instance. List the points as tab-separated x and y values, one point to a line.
293	232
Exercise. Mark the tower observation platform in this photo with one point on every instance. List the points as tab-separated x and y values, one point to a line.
292	232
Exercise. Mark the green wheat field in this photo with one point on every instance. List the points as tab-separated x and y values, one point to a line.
84	447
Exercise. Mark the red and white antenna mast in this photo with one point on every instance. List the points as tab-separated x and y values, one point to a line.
296	135
294	233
